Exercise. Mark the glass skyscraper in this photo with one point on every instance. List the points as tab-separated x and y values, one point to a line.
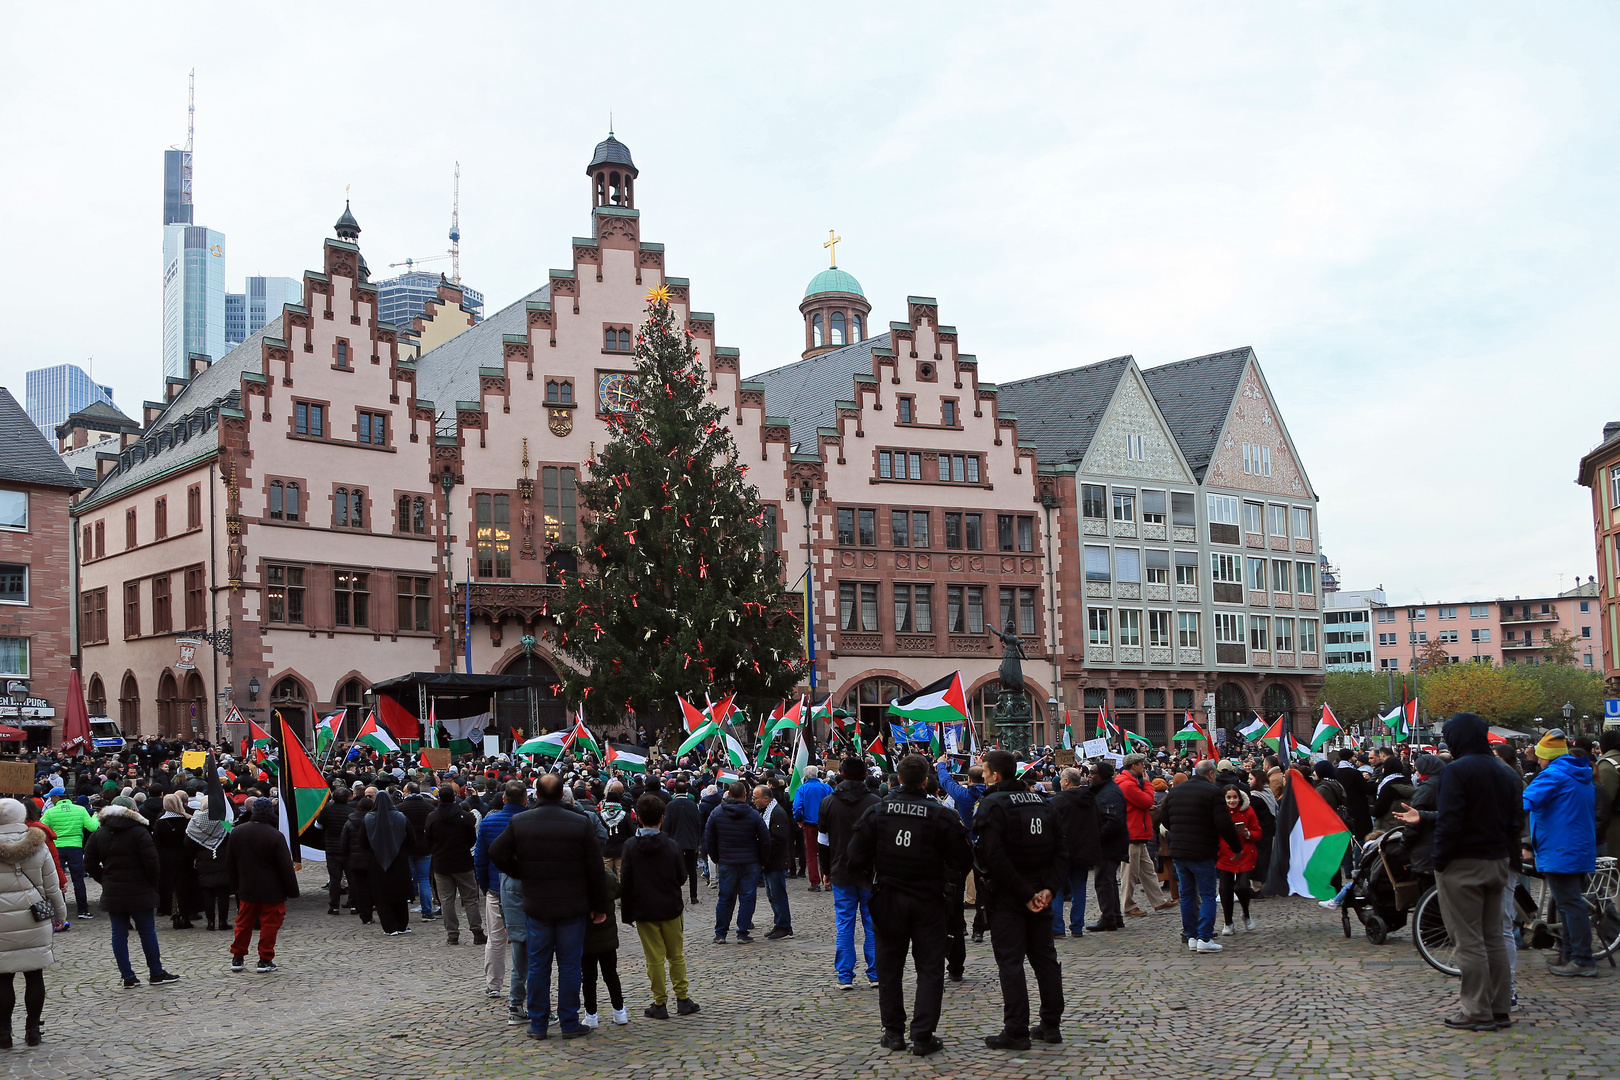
247	312
55	393
193	296
401	299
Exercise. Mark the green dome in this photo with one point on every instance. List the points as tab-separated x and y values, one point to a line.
833	281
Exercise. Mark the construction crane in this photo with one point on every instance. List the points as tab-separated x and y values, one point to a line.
454	254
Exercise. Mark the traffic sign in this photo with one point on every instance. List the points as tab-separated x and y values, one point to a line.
1611	710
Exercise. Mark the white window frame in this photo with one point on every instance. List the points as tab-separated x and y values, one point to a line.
1308	635
28	659
26	508
1260	518
1130	628
1224	510
1259	633
1229	628
1161	632
1274	512
1282	630
1187	629
1225	569
1134	450
1301	522
1099	626
27	589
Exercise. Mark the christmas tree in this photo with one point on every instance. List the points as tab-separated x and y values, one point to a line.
681	594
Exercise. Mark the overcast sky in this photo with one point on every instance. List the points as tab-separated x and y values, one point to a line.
1408	210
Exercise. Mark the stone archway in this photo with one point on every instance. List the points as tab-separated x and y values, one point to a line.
169	706
1231	707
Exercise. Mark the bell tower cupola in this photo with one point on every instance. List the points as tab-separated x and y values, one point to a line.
835	310
613	175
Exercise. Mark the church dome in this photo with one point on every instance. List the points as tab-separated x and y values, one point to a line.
833	280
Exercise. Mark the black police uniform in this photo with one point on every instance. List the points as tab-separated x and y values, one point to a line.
910	844
1019	847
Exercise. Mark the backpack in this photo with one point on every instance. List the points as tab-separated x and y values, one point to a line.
1603	804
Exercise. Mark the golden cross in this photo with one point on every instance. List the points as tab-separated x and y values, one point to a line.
832	246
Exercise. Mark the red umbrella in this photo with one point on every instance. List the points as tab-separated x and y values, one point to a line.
10	733
1493	737
76	725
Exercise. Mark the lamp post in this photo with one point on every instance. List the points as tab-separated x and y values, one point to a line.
447	482
1049	503
807	495
1569	711
1383	710
253	689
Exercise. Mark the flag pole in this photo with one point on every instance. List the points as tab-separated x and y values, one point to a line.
289	803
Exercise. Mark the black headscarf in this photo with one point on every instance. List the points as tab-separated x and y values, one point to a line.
386	829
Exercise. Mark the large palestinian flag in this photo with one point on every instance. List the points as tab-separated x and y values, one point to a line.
941	702
1310	845
628	759
1402	719
549	745
1326	728
308	786
580	740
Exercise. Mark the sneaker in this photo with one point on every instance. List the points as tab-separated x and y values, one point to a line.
1207	946
1046	1034
655	1012
588	1020
686	1006
1572	970
1330	905
1462	1023
621	1016
744	939
516	1016
719	939
329	911
430	917
1514	1006
131	982
492	993
1226	931
237	965
845	985
163	978
265	967
1192	944
405	931
84	915
872	983
778	933
893	1040
1248	923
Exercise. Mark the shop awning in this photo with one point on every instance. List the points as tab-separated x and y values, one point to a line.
11	733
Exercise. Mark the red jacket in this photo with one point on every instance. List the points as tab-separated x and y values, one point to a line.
1237	864
1139	798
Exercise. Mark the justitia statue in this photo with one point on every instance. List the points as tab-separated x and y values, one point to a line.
1012	714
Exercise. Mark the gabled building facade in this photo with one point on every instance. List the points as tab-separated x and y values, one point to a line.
1600	471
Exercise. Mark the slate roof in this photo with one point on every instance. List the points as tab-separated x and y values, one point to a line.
449	373
610	151
1061	412
218	386
26	456
1195	396
807	392
100	416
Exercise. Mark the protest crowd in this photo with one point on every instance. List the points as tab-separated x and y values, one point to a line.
552	863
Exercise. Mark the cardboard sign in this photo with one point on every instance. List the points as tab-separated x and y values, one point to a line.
492	745
1095	748
16	778
193	759
437	757
1063	757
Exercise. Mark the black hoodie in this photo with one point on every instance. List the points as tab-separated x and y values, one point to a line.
1480	810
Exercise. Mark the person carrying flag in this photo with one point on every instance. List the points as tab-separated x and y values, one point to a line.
966	799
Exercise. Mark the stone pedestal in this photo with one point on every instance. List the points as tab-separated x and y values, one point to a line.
1014	721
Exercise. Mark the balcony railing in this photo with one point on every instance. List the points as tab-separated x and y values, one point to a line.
1540	616
1518	643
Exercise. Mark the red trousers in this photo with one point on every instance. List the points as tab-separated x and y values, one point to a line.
267	917
812	867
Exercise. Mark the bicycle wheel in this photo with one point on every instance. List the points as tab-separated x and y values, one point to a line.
1430	935
1605	929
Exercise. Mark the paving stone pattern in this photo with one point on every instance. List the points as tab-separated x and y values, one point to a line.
1294	998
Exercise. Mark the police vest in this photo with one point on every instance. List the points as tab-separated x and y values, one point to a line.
909	843
1029	829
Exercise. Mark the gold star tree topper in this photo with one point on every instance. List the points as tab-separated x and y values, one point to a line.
658	294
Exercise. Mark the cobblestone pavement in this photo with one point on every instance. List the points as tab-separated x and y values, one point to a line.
1292	998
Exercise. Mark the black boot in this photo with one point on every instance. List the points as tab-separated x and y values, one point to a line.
31	1033
5	1036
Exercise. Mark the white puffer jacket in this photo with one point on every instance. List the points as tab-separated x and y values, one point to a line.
27	874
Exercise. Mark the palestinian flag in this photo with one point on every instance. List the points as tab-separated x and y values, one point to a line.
1316	841
550	745
937	703
734	751
835	718
781	720
801	761
1274	739
1254	728
1402	719
1103	726
401	722
259	743
579	739
326	732
762	736
1068	730
876	750
721	713
1326	728
1191	733
376	736
690	716
308	786
702	734
629	759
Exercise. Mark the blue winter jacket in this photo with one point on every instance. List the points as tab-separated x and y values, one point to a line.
489	878
807	801
1562	824
965	798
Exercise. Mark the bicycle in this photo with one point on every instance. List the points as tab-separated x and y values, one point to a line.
1435	946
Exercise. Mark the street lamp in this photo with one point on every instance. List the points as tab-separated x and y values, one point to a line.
253	688
1383	710
1569	711
807	495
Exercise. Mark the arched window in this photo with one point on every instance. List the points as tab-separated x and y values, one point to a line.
815	331
860	331
357	509
97	699
1275	702
403	517
340	507
601	189
624	341
292	502
419	515
1231	707
168	704
288	699
837	328
275	499
288	689
129	707
551	389
610	340
567	393
352	697
869	701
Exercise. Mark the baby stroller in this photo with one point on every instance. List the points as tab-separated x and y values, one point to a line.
1384	887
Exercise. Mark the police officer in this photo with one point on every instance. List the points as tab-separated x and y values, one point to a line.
911	845
1019	847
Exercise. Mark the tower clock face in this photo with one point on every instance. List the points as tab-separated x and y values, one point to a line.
615	390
